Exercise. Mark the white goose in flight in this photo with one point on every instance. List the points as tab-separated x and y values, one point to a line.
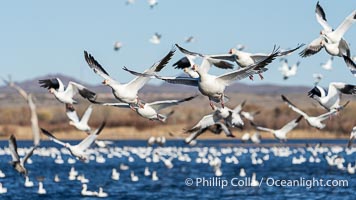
186	63
352	137
150	110
65	95
231	118
211	85
156	38
313	121
329	38
77	150
80	124
288	70
331	99
328	65
280	134
216	128
126	93
17	163
245	59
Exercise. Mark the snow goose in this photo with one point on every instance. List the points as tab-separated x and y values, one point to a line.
3	189
280	134
115	175
81	124
56	179
190	57
315	122
209	120
152	3
245	137
86	192
328	65
256	138
317	44
254	182
134	178
330	99
288	70
129	2
127	92
17	163
350	169
32	106
242	172
189	39
352	137
210	85
147	171
215	129
154	176
150	110
245	59
28	183
151	141
2	175
41	189
117	45
78	150
317	78
156	38
161	140
65	95
101	193
329	38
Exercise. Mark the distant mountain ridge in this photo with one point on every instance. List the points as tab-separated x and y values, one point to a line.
33	86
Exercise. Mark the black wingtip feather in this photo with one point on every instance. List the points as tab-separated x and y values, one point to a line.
85	93
299	118
44	131
93	63
101	128
165	60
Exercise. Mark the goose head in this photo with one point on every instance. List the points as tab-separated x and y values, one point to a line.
51	90
233	51
106	82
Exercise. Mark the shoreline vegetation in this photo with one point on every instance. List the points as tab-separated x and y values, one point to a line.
131	133
125	124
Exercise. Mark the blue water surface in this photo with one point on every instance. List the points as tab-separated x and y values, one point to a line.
172	183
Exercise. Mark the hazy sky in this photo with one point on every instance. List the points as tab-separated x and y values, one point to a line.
41	37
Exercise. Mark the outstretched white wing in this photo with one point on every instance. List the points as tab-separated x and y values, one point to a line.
206	121
158	105
321	18
71	113
86	115
262	128
293	107
51	137
85	144
344	26
138	82
291	125
28	155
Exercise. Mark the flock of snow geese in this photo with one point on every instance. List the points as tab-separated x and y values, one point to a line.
222	118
